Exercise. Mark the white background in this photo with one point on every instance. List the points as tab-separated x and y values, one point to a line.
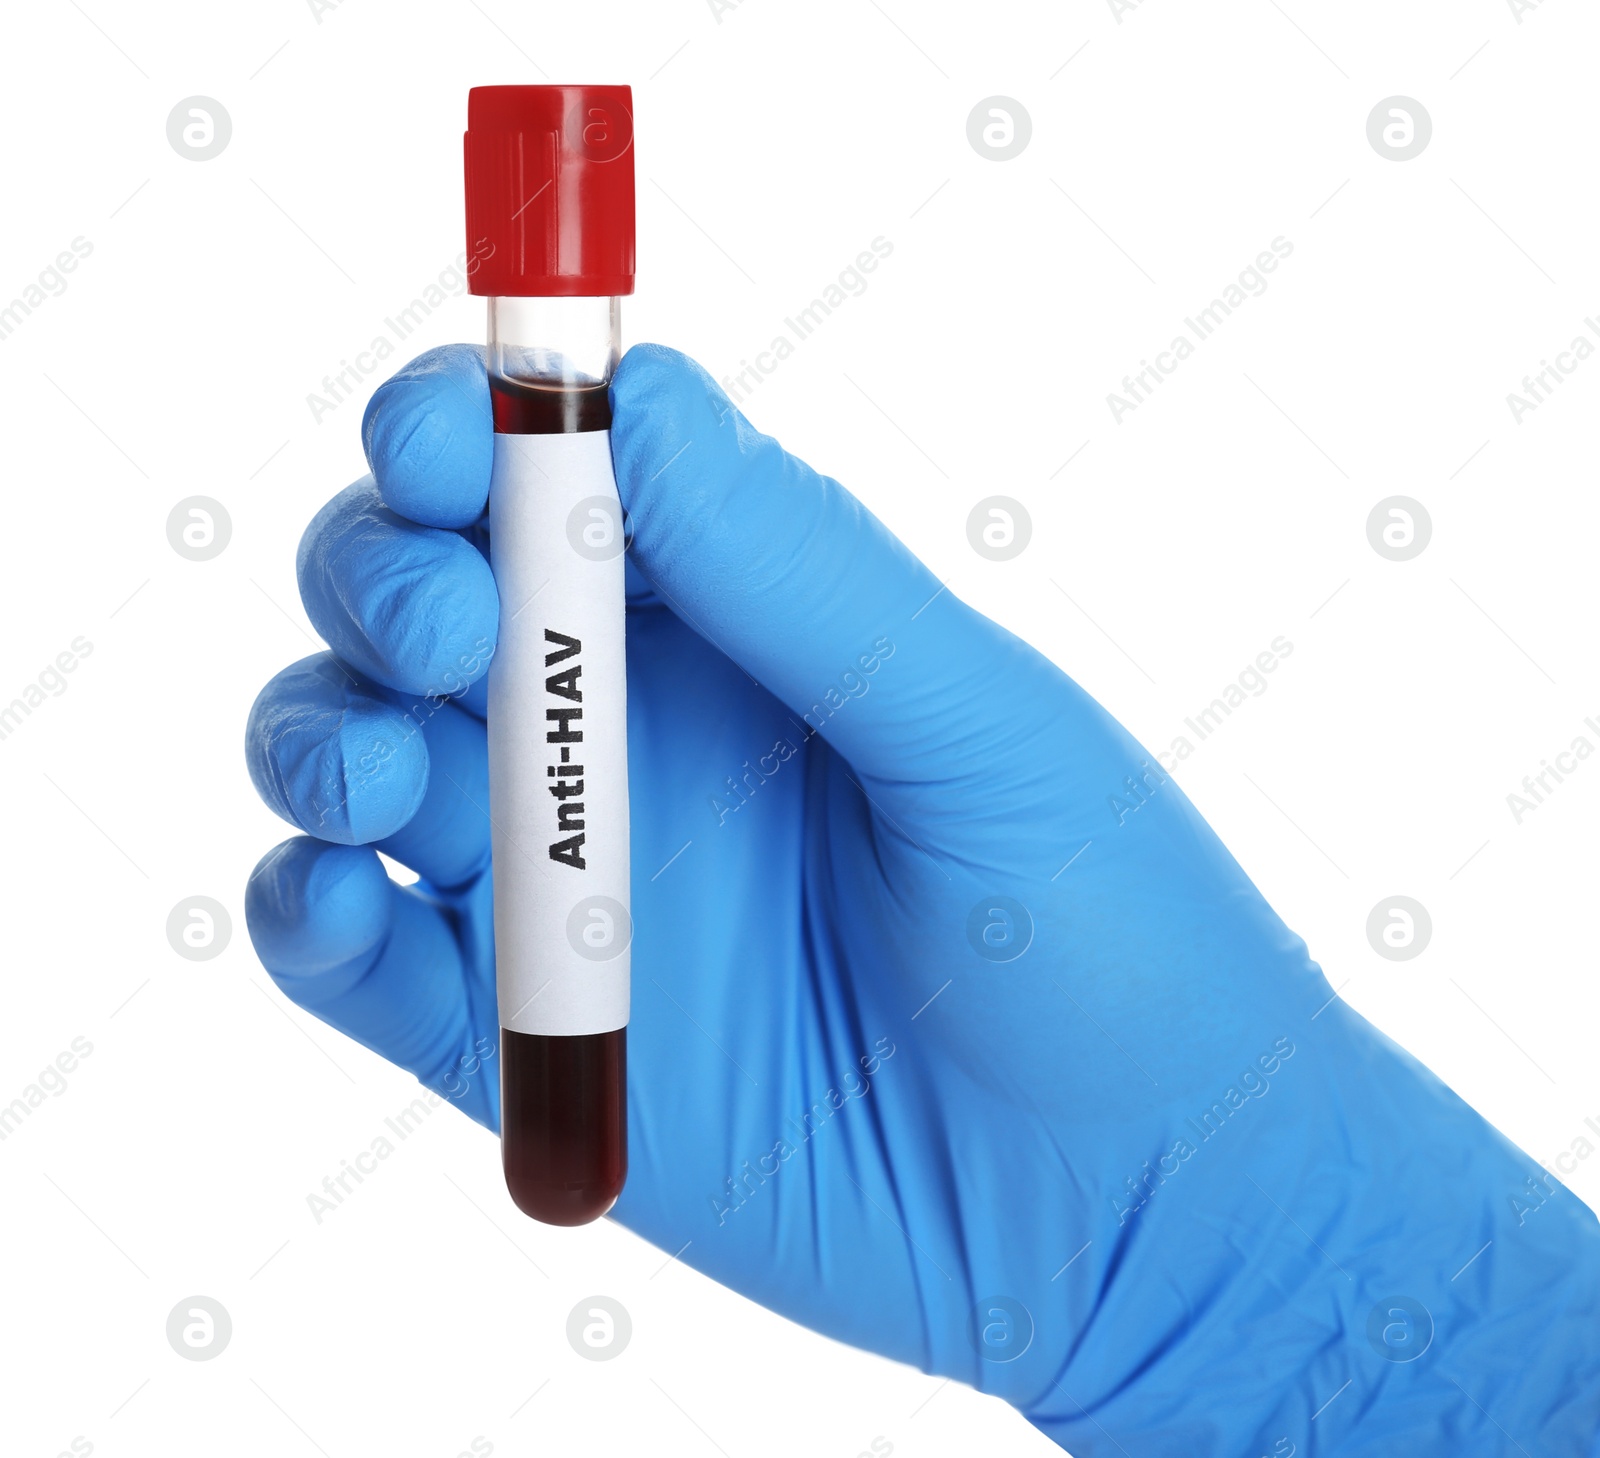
774	143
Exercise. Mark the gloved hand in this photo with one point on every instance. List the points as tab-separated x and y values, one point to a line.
957	1034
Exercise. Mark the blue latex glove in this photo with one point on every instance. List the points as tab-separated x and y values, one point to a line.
934	1047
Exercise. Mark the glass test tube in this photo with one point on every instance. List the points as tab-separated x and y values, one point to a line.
550	228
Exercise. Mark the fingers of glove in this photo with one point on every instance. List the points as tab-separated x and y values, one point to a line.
805	589
429	437
355	764
377	962
331	756
409	606
447	841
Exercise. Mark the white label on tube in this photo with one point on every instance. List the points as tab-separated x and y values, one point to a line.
558	747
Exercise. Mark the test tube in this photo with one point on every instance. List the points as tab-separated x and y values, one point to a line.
550	242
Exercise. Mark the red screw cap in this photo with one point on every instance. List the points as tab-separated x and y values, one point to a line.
549	173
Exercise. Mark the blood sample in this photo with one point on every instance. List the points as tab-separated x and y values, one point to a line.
550	231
